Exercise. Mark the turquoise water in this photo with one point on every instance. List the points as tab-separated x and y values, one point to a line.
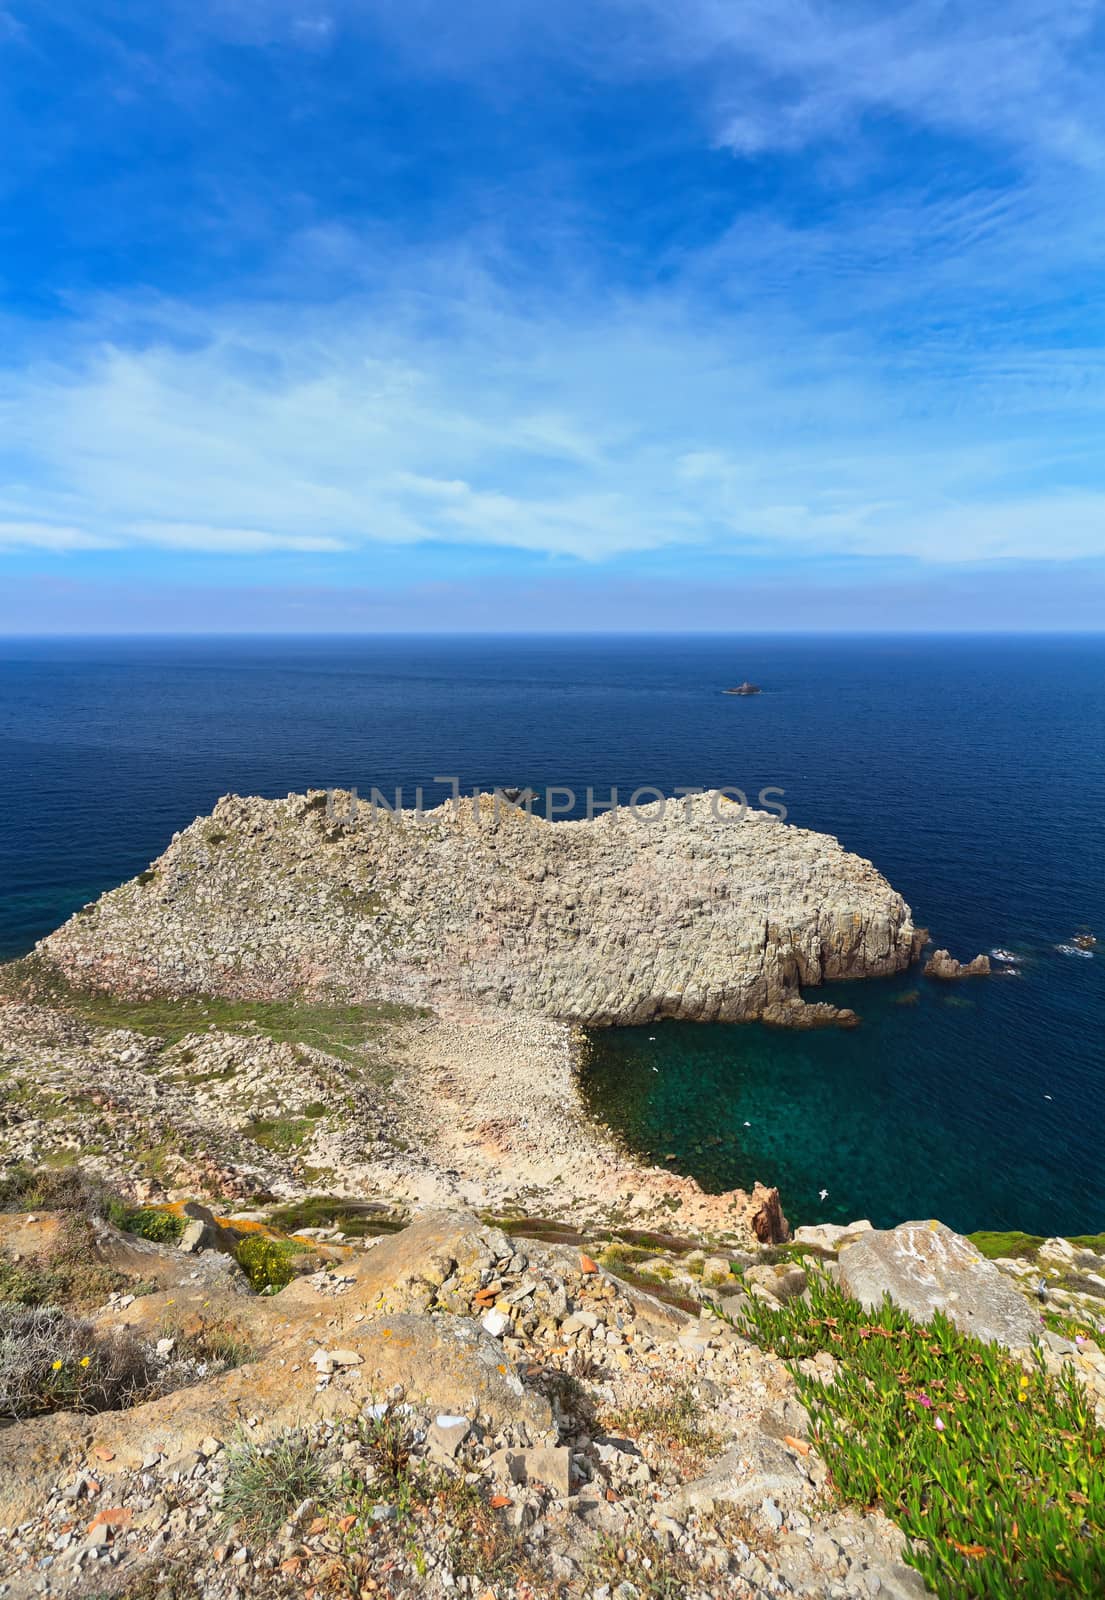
971	771
908	1116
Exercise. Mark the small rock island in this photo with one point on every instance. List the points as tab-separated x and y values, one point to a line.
744	688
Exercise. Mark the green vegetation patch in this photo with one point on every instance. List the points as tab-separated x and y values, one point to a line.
160	1227
677	1420
1006	1246
269	1264
998	1470
265	1482
339	1029
357	1218
282	1135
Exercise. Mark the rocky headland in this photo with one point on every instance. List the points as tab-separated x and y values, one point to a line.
695	909
316	1277
456	953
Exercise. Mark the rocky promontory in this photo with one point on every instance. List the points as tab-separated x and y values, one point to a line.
695	909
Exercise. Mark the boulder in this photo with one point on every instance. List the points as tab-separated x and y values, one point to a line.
785	1280
757	1467
831	1235
924	1267
547	1464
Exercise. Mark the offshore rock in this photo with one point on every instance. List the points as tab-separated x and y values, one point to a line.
942	965
695	909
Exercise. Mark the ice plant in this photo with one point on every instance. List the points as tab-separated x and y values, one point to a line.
1003	1497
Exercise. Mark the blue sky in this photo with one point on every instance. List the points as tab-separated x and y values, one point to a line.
607	314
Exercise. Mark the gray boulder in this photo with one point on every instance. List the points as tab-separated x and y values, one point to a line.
924	1267
830	1235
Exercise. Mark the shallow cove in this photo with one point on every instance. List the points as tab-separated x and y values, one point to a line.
935	1106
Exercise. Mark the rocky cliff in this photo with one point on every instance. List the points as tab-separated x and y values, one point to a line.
690	910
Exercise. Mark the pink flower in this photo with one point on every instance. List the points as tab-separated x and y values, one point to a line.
925	1401
1078	1339
939	1424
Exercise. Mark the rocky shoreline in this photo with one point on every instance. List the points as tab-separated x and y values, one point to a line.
478	1110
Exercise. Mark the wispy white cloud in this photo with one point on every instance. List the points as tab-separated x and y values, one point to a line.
896	377
593	429
50	536
795	72
231	541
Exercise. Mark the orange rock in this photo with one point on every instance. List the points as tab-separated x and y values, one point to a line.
116	1517
586	1265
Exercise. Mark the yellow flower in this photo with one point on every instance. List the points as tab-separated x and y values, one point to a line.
57	1366
85	1360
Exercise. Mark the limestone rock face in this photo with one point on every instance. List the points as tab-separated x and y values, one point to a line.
924	1267
689	908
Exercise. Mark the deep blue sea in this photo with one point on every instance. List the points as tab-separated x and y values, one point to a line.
971	771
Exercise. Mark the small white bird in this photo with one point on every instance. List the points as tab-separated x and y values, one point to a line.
652	1038
748	1124
1047	1097
823	1193
656	1069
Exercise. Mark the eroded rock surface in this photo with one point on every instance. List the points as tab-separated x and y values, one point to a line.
688	909
924	1267
596	1419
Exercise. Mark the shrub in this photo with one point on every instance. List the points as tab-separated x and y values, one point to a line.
50	1361
269	1264
388	1440
266	1482
999	1471
160	1227
59	1189
65	1273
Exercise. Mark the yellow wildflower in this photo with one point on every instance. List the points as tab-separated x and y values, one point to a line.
85	1360
57	1366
